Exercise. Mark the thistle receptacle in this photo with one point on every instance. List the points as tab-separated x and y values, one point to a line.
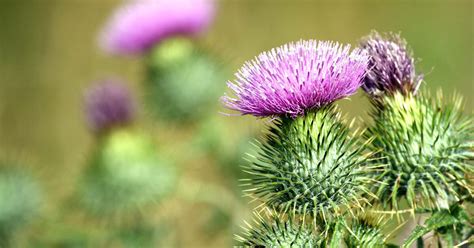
426	145
182	81
310	165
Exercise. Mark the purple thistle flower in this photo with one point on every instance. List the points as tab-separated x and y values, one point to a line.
139	25
297	77
108	104
392	67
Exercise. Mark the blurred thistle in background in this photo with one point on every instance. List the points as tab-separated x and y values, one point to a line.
20	201
125	172
182	79
138	25
109	105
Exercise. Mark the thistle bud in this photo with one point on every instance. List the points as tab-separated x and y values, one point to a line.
391	66
108	105
125	174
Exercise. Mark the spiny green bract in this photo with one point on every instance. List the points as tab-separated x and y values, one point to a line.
20	199
310	165
365	232
182	82
426	147
279	232
125	173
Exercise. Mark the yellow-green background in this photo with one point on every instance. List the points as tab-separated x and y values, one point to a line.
48	55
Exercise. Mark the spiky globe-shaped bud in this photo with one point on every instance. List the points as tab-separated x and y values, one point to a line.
108	104
20	200
125	174
183	81
391	67
427	146
310	165
274	231
139	25
297	77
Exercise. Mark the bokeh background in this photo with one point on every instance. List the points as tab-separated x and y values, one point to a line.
49	55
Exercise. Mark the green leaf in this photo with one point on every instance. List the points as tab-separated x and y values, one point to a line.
337	235
438	220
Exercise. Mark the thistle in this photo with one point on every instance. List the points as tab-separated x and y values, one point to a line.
107	105
425	142
138	26
392	66
308	166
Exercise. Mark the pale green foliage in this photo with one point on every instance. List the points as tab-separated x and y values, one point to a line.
447	223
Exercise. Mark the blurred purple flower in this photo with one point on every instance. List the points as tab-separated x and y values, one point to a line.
138	25
297	77
108	104
392	67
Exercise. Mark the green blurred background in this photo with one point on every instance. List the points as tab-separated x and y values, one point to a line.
49	55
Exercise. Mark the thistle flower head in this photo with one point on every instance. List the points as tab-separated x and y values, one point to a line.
297	77
391	67
108	104
310	165
139	25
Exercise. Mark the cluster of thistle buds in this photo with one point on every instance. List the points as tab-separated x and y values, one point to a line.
318	182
